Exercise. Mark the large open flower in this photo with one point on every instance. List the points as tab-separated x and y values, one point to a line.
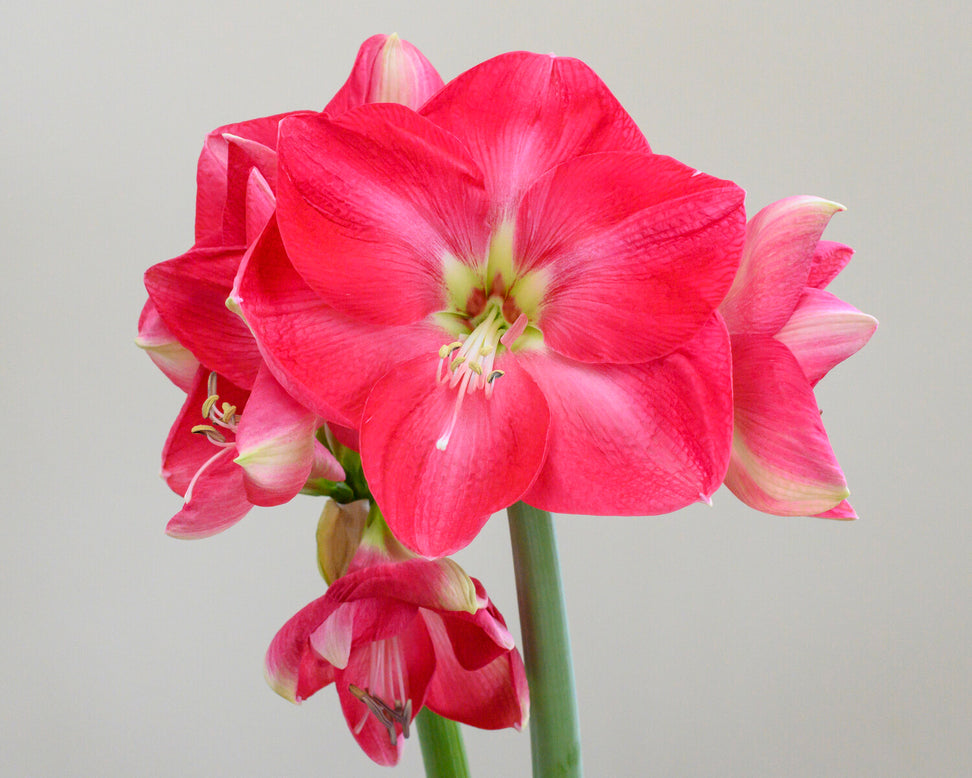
394	635
787	333
522	298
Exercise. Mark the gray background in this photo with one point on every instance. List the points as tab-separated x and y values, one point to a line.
714	642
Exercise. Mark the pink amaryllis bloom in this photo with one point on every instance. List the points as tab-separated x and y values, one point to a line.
395	634
787	333
186	323
522	295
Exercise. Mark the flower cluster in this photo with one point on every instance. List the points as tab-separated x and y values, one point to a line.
429	301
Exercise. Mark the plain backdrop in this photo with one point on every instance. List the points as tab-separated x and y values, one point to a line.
712	642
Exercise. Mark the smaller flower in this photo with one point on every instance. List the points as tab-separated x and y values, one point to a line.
787	333
394	634
224	461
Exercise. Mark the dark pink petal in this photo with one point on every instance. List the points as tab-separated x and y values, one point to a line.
477	638
437	584
415	653
371	204
521	114
190	294
492	696
386	70
260	203
185	452
211	173
276	445
170	356
215	500
635	439
843	511
776	261
782	461
292	668
324	359
823	331
325	465
436	501
637	251
829	258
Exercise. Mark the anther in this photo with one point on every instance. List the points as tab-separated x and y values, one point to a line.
456	362
208	405
448	349
474	366
493	376
211	383
385	713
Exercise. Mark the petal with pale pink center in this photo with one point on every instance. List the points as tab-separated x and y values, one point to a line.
276	445
824	331
521	114
386	70
371	205
215	500
635	252
782	462
440	466
169	355
190	294
776	261
636	439
285	659
308	344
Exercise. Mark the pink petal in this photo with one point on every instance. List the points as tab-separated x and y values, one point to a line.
359	622
438	584
185	452
170	356
325	360
823	331
375	201
782	461
211	173
776	261
275	443
215	501
638	248
521	114
386	70
325	465
287	657
436	501
190	294
416	654
642	439
260	202
245	158
829	258
493	696
477	638
843	511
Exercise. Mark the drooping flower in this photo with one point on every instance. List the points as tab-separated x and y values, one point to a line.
525	296
186	321
787	333
396	633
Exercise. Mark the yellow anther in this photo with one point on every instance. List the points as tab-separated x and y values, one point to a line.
228	412
475	367
208	405
493	376
456	362
448	348
204	429
486	350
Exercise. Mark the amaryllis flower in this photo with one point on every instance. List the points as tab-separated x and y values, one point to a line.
522	298
787	333
395	634
186	322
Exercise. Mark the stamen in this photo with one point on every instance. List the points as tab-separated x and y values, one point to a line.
385	714
208	405
494	375
211	383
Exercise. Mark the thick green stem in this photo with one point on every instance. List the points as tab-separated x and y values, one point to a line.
554	728
443	752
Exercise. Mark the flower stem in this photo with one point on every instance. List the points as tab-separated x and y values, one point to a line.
443	752
554	728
